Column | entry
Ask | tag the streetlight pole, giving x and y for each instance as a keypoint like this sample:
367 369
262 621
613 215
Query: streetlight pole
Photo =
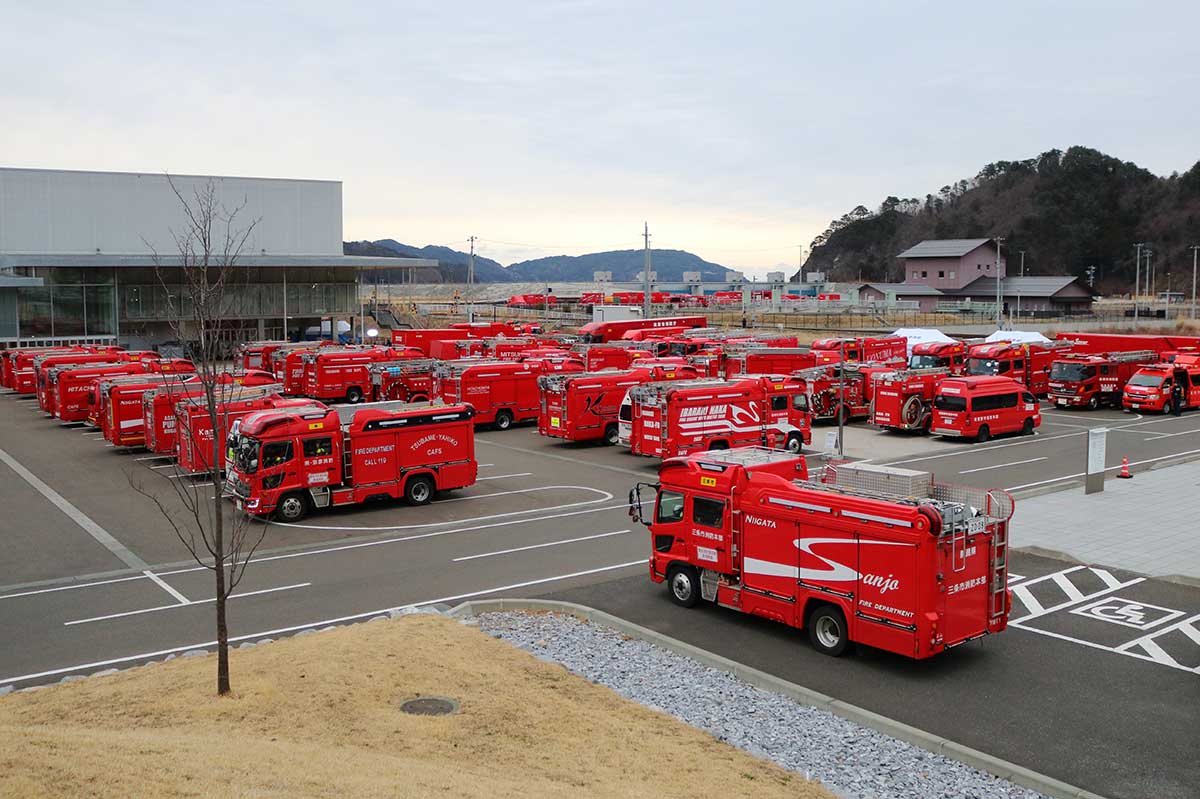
1195 248
1022 263
999 293
1149 277
471 282
1137 280
841 412
646 272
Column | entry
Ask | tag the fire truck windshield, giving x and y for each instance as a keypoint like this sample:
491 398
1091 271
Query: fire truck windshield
245 454
1071 372
947 402
987 366
1146 380
927 361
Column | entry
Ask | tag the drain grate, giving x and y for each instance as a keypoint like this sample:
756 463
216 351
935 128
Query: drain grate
429 706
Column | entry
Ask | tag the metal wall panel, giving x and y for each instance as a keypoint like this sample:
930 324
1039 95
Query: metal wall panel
63 212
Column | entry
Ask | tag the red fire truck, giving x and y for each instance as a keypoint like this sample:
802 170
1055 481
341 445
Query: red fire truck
194 439
880 556
493 329
333 373
981 406
42 365
846 389
159 425
274 355
613 355
501 392
584 406
1093 343
288 462
453 349
117 404
407 380
603 332
879 350
951 355
1150 388
1027 363
67 388
767 360
904 399
20 360
422 337
681 417
1078 380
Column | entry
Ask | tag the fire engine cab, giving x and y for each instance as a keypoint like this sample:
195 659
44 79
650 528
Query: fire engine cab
876 555
1078 380
951 355
289 461
677 418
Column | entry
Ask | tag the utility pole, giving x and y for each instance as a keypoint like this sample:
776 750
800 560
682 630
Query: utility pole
470 282
1137 280
1195 248
1149 278
646 273
841 405
999 293
1022 263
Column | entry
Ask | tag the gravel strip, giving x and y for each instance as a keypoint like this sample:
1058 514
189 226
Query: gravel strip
850 760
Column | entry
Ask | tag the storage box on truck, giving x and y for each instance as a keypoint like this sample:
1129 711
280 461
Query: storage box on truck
678 418
501 392
1078 380
880 556
981 406
195 434
407 380
584 406
879 350
767 360
288 462
422 337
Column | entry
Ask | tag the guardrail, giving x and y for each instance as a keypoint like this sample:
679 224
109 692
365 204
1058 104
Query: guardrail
55 341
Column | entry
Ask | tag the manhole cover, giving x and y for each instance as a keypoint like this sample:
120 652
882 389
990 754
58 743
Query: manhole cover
429 706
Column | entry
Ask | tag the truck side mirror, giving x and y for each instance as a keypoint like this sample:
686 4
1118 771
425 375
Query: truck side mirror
635 503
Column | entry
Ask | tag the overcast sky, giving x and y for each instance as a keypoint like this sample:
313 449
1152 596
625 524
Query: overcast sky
736 130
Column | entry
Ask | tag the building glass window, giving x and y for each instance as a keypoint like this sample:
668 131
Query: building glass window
68 310
33 310
941 273
98 310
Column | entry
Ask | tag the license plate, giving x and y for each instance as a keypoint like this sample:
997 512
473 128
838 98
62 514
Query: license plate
1061 401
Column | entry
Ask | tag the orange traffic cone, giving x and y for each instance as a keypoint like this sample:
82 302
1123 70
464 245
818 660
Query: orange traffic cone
1125 469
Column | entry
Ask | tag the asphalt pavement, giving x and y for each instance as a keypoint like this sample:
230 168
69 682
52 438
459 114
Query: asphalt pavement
1061 692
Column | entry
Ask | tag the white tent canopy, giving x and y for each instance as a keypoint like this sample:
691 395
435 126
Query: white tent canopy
921 335
1018 336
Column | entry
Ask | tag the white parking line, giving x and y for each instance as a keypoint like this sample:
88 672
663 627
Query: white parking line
1003 465
180 598
184 605
1107 469
74 586
538 546
502 476
312 624
153 457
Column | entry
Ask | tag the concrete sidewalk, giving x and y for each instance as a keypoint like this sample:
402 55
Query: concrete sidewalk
1149 525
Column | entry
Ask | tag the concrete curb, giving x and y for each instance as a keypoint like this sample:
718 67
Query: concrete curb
769 682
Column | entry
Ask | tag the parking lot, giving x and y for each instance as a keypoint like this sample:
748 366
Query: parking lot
95 577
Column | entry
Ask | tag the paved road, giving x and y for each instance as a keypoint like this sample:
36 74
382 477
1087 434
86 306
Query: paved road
547 517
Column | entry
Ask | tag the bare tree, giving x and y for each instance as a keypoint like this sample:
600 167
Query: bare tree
202 282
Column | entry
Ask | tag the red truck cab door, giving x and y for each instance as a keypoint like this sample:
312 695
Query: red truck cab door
319 461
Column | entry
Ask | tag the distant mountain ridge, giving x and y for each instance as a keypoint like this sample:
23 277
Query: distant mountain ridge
1067 211
624 264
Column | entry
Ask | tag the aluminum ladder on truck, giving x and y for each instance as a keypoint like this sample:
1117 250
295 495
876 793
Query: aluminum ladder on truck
998 587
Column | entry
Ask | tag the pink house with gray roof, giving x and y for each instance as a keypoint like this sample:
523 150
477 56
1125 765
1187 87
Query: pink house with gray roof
951 263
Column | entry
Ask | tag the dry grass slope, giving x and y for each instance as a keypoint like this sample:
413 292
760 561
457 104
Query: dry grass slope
317 716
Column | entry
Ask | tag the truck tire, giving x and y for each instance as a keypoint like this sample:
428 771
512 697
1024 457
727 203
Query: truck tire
612 435
504 419
418 490
794 443
1027 426
984 434
354 395
418 398
827 631
684 584
1094 402
292 508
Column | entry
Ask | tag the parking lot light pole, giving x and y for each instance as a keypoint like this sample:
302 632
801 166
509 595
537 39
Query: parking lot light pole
1195 248
1137 280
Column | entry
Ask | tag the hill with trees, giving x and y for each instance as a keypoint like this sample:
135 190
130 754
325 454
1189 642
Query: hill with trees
1066 210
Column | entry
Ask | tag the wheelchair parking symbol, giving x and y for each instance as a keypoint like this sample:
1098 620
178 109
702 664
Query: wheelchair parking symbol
1127 613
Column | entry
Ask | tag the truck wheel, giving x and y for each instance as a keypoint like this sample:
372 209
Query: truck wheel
827 631
985 433
684 584
1094 402
354 394
1027 426
794 443
418 490
612 435
504 420
292 508
418 398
